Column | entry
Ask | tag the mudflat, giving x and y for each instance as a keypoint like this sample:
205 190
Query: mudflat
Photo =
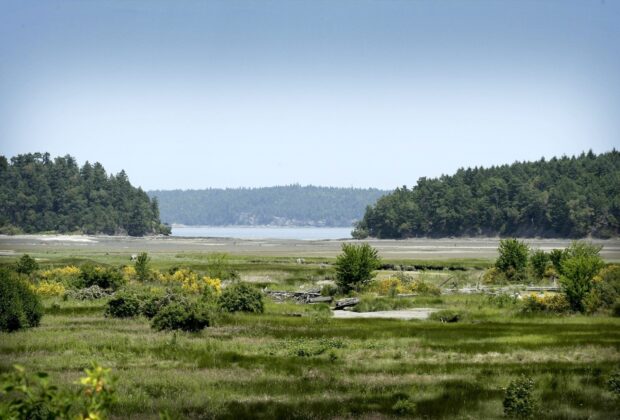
419 248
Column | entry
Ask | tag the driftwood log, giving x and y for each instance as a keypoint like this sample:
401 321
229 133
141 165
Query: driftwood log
311 296
345 303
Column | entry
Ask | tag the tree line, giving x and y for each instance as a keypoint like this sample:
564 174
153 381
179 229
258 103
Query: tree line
567 197
281 205
39 194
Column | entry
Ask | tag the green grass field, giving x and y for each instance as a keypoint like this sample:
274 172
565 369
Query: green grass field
282 365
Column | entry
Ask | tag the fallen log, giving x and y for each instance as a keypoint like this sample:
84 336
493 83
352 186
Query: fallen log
320 299
345 303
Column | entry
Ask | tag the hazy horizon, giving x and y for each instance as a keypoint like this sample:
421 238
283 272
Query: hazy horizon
366 94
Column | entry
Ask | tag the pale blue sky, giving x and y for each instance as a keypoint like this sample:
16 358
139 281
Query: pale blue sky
195 94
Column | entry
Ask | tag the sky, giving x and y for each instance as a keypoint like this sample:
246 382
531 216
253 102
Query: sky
198 94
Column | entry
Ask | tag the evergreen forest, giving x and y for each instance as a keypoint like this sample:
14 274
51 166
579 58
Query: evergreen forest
40 194
567 197
293 205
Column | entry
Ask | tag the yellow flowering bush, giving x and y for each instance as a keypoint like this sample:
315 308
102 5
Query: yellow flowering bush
551 302
192 282
129 272
394 285
48 288
61 274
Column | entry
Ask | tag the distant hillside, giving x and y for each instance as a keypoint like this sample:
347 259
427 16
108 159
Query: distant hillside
286 205
564 197
40 194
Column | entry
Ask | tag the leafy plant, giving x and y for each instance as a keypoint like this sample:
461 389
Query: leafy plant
183 316
20 307
538 263
26 265
89 293
518 399
123 305
106 278
355 266
241 297
142 266
32 396
513 258
579 268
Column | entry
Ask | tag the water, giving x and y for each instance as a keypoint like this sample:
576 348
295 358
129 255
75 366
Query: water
264 232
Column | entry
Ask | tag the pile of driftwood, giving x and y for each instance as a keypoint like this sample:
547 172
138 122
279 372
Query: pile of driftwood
310 296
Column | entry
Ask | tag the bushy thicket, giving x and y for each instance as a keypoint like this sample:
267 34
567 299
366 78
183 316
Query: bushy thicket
20 307
124 304
561 198
185 316
241 297
355 266
104 277
519 401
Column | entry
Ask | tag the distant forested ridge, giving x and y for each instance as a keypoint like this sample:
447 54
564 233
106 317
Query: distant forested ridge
564 197
38 194
291 205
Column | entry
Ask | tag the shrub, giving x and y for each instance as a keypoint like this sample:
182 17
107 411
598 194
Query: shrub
26 265
605 289
446 315
615 310
538 263
552 303
329 290
579 267
493 276
512 260
518 399
28 396
48 288
68 275
241 297
106 278
123 305
89 293
142 266
355 266
184 316
154 303
613 383
404 407
20 307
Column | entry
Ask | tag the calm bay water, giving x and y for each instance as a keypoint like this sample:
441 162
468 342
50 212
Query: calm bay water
264 232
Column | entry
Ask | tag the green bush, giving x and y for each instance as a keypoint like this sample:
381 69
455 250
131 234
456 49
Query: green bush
20 307
513 258
518 400
241 297
446 315
153 304
106 278
124 305
142 266
538 263
579 268
185 316
26 265
613 383
553 303
355 266
31 396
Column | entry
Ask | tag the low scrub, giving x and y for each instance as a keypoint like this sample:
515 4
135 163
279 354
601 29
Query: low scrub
241 297
20 307
518 399
446 315
104 277
89 293
124 305
185 316
550 303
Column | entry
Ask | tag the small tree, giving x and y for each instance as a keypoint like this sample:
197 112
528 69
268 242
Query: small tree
581 264
538 263
26 265
518 400
355 266
142 266
512 260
